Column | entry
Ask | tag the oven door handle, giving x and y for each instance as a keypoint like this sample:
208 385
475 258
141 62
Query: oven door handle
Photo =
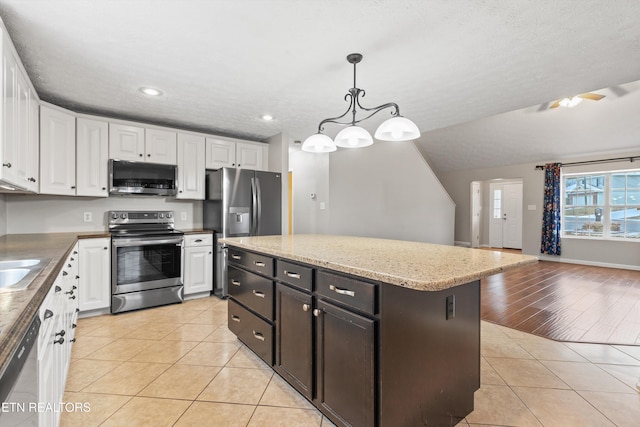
148 241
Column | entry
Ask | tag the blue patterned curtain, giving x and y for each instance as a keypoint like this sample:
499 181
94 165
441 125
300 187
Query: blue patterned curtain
551 214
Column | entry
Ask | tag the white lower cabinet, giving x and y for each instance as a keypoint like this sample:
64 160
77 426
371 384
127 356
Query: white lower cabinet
197 264
94 290
59 313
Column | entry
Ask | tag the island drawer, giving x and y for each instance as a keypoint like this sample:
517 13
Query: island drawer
294 274
255 262
251 330
256 292
351 292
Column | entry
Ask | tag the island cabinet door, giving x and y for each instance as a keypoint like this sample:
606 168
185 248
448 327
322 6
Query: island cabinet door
294 338
345 365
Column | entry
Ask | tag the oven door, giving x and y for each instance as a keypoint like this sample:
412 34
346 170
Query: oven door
143 263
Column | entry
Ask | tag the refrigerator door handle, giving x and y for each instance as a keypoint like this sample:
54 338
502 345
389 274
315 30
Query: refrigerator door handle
254 207
259 210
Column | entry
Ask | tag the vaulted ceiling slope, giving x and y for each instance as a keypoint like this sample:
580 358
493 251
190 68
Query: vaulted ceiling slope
221 64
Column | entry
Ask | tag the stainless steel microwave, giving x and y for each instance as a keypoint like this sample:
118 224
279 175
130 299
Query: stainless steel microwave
140 178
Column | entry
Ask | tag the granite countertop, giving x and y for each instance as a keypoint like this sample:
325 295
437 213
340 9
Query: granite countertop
420 266
17 308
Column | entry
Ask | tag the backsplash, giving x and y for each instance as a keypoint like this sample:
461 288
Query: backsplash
55 214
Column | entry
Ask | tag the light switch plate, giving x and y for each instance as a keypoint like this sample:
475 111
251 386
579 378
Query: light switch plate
531 207
88 217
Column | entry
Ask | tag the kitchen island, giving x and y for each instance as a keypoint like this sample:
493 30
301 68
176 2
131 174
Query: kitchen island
373 332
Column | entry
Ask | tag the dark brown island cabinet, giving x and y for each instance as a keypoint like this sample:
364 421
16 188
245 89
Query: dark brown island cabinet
364 352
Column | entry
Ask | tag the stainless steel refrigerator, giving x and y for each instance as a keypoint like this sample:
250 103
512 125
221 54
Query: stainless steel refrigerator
240 202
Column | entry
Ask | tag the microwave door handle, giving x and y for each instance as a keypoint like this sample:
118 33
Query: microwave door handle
146 242
259 208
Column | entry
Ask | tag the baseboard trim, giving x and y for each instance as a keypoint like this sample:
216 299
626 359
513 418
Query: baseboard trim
552 258
463 244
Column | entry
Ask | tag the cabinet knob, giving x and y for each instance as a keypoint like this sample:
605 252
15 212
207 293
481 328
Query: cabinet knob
233 164
104 188
58 288
105 248
61 333
73 187
31 179
72 340
210 252
141 155
48 314
305 307
317 312
59 341
64 273
180 191
7 165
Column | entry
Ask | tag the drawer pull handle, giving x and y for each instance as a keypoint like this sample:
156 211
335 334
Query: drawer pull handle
342 291
235 282
198 240
258 294
305 307
48 314
258 336
235 318
290 274
259 263
234 256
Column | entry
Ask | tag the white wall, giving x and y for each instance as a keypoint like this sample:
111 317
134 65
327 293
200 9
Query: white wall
594 252
52 214
3 215
279 162
388 190
310 175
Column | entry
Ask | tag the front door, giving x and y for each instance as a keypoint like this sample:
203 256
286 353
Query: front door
505 223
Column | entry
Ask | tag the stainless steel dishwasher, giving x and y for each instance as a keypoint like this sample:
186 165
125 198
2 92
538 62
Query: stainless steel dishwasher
19 382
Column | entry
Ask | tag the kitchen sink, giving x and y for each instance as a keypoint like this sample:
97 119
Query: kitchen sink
12 276
17 275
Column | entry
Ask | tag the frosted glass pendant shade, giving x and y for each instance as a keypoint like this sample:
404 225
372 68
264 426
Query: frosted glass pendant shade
397 129
353 137
319 143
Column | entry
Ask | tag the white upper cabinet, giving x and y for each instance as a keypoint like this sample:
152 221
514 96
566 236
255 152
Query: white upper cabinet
235 154
160 146
126 142
57 151
191 167
249 156
33 148
137 144
92 150
18 145
220 153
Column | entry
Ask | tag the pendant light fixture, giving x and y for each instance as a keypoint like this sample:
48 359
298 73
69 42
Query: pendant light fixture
397 128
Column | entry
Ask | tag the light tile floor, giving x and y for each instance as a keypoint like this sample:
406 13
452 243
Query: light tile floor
180 366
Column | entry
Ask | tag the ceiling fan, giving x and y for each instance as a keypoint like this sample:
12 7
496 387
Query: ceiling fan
572 101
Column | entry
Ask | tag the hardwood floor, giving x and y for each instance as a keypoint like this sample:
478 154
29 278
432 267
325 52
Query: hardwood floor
566 302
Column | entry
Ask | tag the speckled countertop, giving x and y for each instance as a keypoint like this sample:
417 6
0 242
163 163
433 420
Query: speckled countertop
17 308
421 266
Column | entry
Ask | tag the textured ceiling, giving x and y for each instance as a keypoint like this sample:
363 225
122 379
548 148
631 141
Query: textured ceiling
221 64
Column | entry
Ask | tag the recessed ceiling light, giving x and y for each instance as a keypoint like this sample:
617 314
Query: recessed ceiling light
267 117
150 91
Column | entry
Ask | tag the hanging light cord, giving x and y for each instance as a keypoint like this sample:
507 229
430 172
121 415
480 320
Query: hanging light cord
353 96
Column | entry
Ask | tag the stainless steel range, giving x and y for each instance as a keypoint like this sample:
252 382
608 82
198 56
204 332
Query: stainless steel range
145 260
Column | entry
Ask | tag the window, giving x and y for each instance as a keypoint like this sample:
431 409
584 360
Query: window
602 205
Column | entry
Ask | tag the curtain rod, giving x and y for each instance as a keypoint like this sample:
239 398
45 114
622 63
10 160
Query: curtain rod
589 162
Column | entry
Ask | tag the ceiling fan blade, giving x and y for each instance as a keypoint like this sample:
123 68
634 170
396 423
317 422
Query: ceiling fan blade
592 96
555 104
